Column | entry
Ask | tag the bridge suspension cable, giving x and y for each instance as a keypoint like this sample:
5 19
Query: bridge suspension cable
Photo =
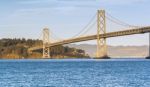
40 36
55 37
86 28
91 24
119 22
89 28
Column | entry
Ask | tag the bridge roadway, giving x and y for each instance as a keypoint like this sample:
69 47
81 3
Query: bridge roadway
140 30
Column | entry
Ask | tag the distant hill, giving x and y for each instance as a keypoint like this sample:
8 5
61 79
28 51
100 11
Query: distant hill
18 48
115 51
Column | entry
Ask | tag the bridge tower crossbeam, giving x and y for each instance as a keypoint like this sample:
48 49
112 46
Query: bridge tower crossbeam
101 29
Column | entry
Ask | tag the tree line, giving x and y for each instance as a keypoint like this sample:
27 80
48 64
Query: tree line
18 48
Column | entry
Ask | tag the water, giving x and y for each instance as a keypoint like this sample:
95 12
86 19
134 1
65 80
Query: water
75 73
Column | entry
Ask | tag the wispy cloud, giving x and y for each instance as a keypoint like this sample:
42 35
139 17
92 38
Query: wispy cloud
35 1
77 0
62 7
61 3
121 2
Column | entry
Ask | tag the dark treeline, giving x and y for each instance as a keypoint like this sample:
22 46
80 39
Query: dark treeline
18 48
67 51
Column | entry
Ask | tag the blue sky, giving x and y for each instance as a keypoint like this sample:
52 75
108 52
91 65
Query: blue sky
27 18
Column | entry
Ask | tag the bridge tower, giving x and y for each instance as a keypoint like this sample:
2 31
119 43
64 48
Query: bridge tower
46 49
101 29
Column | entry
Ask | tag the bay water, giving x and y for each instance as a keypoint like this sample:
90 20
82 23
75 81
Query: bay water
75 73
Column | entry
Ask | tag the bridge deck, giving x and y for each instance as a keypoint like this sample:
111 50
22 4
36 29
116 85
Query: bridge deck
92 37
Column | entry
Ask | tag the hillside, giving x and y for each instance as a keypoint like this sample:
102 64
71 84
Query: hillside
116 51
18 48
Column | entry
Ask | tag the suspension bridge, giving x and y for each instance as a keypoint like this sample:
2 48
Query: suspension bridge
101 35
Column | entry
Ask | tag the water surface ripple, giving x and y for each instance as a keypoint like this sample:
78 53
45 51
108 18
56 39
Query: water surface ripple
75 73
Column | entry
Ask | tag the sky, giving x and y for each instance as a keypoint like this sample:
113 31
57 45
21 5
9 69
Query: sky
65 18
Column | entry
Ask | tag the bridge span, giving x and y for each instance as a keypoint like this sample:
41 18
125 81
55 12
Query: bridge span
100 36
140 30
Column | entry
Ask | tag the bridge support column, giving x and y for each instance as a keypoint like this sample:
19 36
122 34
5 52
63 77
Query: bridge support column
46 49
101 29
